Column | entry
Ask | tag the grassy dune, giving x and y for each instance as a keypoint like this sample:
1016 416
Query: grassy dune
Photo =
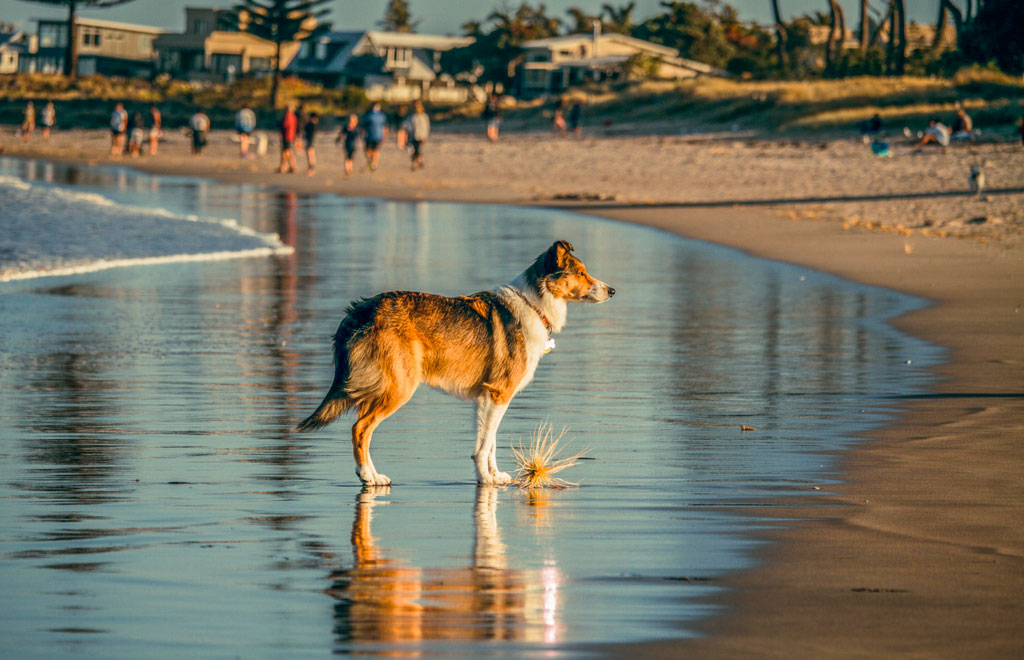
994 100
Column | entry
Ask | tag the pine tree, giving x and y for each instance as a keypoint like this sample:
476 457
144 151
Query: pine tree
281 22
397 17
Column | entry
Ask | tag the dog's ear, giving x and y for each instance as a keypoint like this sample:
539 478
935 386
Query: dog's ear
557 256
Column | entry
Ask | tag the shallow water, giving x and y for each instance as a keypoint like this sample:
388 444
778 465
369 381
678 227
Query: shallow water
155 502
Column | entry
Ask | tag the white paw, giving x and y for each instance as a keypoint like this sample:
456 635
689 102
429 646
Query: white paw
497 479
373 479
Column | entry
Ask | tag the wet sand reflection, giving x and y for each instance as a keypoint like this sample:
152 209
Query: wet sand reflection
384 600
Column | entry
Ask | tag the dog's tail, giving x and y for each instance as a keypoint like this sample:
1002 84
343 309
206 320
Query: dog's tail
337 400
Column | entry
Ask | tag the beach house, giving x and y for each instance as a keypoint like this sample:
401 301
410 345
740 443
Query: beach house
107 48
552 65
390 66
14 45
207 50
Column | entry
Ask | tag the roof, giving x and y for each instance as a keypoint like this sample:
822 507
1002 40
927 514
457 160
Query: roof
111 25
421 41
565 39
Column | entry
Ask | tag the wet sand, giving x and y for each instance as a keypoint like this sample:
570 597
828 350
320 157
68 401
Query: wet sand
922 554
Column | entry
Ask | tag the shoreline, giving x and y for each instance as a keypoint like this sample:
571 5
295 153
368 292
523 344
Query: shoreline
921 553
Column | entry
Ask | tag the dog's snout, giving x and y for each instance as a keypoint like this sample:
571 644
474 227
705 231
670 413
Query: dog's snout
611 291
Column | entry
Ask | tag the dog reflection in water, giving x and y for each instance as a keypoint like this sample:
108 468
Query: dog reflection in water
383 600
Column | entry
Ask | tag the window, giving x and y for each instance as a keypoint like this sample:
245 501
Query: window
397 56
321 50
259 64
200 26
90 36
303 50
224 62
52 35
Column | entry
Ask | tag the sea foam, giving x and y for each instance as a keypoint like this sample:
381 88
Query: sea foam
50 230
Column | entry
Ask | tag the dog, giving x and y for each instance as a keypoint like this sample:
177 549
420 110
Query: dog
484 347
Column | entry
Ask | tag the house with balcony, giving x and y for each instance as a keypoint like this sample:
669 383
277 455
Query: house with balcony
208 51
550 66
107 48
391 66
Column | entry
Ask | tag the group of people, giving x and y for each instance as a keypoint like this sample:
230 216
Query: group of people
940 134
298 131
129 132
47 118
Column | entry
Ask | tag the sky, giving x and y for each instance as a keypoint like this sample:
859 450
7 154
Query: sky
436 16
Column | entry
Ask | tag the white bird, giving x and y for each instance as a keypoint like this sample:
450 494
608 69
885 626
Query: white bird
977 179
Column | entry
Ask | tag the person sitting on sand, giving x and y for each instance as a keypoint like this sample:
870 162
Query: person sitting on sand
963 127
937 133
349 134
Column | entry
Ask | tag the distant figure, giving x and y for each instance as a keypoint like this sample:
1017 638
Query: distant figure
155 129
349 134
418 128
977 179
29 123
308 136
49 119
300 118
245 124
963 127
401 134
200 125
289 129
492 116
558 123
375 128
136 135
118 126
871 126
1022 129
575 115
880 148
937 133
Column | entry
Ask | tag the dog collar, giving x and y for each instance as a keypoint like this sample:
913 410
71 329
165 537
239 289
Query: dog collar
543 319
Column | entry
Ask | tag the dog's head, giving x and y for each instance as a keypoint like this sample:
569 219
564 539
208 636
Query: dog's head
564 276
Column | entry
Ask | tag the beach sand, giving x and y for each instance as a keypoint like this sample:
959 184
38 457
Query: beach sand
920 552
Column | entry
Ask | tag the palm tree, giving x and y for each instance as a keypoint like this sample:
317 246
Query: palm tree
279 21
71 47
780 35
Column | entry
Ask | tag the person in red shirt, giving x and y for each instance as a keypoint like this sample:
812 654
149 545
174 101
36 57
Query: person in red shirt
289 129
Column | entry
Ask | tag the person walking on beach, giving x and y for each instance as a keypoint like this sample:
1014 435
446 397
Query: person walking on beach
28 124
155 132
558 123
492 116
118 126
401 134
136 135
375 129
49 119
245 124
349 134
200 125
575 114
289 128
418 128
308 136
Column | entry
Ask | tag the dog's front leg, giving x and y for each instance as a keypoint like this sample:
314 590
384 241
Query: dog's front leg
488 417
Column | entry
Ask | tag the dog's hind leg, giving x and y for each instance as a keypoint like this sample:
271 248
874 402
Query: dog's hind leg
370 416
488 417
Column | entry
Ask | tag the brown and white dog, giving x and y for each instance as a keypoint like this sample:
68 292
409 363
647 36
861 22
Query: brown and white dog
484 347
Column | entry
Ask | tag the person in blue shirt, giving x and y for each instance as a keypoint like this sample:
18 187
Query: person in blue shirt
375 130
